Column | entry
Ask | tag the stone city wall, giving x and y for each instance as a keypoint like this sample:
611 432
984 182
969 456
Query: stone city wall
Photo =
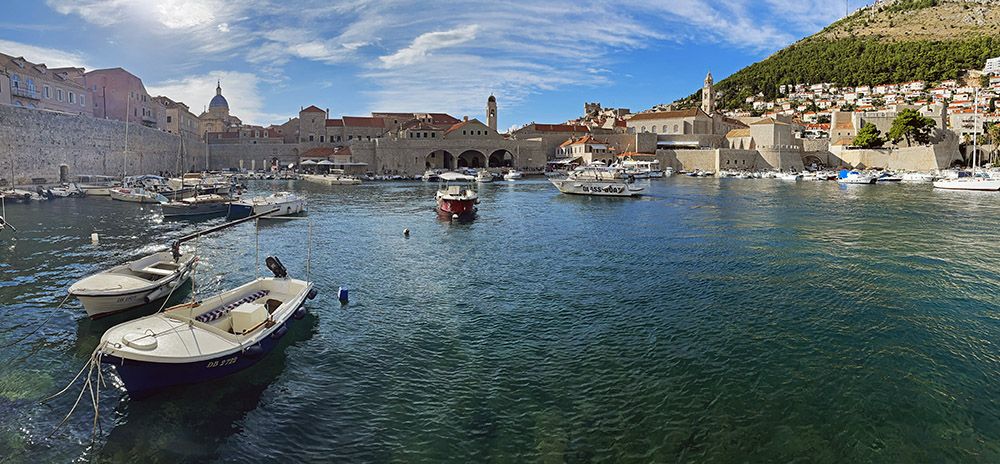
45 144
251 156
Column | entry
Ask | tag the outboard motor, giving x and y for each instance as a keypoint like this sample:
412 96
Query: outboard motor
278 269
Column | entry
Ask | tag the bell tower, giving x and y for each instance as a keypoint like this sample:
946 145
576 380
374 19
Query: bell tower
491 112
708 95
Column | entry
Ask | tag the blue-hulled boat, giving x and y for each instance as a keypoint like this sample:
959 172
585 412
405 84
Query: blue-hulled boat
208 339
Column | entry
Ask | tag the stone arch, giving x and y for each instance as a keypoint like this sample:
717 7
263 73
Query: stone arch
500 159
439 159
63 173
471 159
810 160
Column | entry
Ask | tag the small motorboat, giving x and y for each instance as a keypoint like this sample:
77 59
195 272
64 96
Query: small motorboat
334 177
199 205
918 177
96 185
132 284
790 176
67 190
453 200
208 339
886 177
285 203
513 175
23 196
484 176
136 195
430 176
855 177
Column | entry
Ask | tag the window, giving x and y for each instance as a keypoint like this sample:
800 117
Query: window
433 134
643 129
45 92
31 85
59 94
321 138
169 119
463 132
411 135
350 137
675 128
653 129
310 137
81 100
338 138
72 97
15 81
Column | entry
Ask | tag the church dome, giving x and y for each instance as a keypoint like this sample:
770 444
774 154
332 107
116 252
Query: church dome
218 101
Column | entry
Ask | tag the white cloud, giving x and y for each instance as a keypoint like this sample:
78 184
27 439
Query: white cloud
223 27
425 43
241 89
49 56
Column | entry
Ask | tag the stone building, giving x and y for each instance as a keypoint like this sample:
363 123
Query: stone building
178 118
585 150
217 117
30 85
120 95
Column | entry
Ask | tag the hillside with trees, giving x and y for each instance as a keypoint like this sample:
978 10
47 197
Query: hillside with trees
888 42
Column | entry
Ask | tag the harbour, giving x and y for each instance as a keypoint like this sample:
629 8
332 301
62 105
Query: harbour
710 319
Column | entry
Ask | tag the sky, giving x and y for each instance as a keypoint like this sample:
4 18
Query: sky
541 59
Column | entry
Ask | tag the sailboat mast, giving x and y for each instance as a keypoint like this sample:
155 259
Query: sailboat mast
975 130
125 153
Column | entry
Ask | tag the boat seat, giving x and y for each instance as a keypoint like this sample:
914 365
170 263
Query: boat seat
156 271
223 310
272 305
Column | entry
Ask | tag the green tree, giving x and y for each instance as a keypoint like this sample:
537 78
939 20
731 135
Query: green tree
848 107
868 137
878 102
984 80
912 126
823 119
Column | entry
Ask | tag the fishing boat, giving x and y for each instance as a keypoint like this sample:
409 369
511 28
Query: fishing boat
200 205
334 177
284 204
96 185
23 196
855 177
484 176
597 180
208 339
132 284
513 175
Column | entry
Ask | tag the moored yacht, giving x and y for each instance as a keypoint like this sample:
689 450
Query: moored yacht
198 205
597 181
285 204
855 177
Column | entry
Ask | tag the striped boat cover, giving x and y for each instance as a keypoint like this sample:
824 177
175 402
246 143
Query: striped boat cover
222 311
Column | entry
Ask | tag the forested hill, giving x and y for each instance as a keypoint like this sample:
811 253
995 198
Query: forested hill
888 42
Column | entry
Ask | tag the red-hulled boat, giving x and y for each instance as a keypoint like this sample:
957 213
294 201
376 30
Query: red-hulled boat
454 200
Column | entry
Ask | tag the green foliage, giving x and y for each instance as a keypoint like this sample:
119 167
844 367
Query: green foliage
993 132
868 137
853 62
824 119
912 126
984 80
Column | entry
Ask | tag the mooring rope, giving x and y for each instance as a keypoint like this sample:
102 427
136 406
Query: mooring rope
46 321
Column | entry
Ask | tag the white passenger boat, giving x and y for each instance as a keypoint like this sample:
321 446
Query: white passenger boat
855 177
918 177
642 169
484 176
285 203
212 338
334 177
512 175
597 181
132 284
199 205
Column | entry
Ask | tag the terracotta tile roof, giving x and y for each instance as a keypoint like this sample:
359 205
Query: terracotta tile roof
460 125
312 109
443 119
561 128
738 133
360 121
334 123
580 141
666 114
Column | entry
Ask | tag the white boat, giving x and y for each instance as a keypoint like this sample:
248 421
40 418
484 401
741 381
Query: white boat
669 171
430 176
285 203
512 175
887 177
199 205
790 176
642 169
855 177
21 195
136 195
334 177
977 181
132 284
919 177
215 337
96 185
484 176
67 190
597 181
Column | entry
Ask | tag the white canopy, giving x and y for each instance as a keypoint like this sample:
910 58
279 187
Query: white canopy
453 176
325 163
307 163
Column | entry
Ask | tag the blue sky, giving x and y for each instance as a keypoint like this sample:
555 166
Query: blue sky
542 59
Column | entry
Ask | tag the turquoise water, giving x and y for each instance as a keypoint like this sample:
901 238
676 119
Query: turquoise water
716 320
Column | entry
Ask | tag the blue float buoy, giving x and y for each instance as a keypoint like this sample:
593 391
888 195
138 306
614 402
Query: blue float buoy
342 295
